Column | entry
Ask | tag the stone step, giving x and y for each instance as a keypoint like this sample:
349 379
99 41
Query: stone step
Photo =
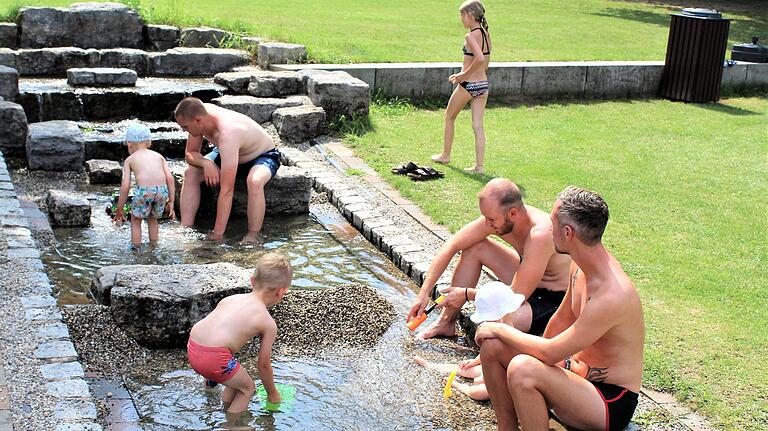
280 53
288 192
259 109
152 99
260 83
105 141
54 62
101 77
300 123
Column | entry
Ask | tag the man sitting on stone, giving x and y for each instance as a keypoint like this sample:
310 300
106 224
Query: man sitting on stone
242 149
588 365
531 266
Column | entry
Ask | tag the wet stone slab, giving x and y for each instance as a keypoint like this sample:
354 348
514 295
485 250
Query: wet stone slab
72 388
56 350
35 314
62 371
79 427
39 301
74 409
53 331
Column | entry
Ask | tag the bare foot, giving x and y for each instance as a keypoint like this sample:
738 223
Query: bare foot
441 158
439 367
251 238
474 170
438 328
476 392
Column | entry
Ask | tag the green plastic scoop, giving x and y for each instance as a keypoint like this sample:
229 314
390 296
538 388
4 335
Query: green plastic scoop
287 393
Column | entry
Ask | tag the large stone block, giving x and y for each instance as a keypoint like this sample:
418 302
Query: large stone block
55 146
259 109
8 58
55 61
161 37
338 93
128 58
65 209
160 311
274 84
237 82
614 81
300 123
554 80
102 76
757 74
43 27
13 138
8 35
505 82
280 53
197 61
9 83
288 192
416 83
103 171
84 25
203 37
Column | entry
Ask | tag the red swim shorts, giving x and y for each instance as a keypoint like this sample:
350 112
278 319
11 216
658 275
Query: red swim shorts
213 363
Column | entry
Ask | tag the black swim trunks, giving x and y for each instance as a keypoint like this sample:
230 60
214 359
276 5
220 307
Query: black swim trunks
620 404
269 159
543 304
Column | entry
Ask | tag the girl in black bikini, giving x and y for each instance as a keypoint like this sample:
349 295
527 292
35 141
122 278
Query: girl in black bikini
472 83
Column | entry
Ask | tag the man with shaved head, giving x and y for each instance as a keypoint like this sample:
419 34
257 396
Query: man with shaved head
531 266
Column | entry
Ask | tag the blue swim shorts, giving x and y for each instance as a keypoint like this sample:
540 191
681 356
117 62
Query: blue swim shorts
269 159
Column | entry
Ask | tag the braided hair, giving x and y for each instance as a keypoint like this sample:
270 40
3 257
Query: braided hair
477 10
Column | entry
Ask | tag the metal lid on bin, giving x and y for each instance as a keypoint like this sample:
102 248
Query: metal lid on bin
702 13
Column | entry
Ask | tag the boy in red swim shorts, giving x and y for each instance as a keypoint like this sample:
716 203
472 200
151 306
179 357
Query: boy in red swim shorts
236 319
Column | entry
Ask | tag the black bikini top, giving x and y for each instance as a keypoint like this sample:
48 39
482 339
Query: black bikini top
482 46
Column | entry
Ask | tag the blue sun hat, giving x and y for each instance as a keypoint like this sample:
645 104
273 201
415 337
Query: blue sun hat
138 133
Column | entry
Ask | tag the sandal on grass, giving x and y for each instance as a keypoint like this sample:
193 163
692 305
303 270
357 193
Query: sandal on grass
405 169
425 173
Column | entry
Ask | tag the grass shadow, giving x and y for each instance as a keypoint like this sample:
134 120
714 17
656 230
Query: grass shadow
647 17
725 109
741 30
479 178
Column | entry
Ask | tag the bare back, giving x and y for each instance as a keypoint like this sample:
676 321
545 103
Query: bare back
148 167
234 321
251 138
555 276
480 74
617 356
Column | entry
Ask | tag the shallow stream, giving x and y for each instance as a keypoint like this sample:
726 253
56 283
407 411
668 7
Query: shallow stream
373 388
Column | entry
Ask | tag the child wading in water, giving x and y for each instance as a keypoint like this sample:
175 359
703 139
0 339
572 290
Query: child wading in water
471 83
236 319
154 185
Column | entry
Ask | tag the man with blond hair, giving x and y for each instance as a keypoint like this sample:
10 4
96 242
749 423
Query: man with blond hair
530 266
242 149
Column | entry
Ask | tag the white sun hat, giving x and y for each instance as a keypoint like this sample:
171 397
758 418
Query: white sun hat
495 300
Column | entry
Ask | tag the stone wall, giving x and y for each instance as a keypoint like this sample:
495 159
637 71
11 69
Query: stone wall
515 80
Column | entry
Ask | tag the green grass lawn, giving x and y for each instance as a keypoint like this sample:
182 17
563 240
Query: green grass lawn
687 186
429 30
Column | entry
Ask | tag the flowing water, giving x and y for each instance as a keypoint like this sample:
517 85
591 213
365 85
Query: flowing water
373 388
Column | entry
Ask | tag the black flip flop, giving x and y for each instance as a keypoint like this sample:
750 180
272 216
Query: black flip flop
425 173
405 169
